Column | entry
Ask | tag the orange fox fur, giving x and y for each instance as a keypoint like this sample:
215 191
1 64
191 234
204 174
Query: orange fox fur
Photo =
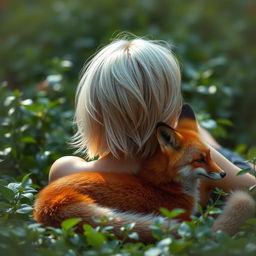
169 179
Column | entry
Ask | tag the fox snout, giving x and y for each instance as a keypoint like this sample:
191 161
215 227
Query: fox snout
211 175
216 175
222 174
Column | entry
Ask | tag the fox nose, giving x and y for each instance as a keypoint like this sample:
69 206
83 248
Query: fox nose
222 174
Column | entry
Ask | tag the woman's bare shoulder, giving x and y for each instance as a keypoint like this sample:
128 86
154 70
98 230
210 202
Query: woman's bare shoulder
67 165
72 164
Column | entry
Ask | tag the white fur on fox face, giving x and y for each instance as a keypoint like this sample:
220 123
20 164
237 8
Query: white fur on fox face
202 172
188 179
188 172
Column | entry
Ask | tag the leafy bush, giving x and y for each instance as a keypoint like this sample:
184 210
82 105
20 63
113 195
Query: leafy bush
32 135
43 47
215 42
32 140
21 236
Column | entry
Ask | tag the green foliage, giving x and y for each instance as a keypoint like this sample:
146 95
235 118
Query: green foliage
214 41
32 137
252 170
43 47
19 235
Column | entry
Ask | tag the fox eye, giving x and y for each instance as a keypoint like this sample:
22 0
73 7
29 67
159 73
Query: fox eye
200 160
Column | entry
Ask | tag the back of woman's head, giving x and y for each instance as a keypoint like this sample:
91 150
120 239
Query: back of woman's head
125 89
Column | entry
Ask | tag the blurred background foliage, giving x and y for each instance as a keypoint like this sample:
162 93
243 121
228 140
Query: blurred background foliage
214 41
44 44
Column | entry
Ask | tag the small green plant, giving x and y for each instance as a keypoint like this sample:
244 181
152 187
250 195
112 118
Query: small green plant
16 199
31 135
252 170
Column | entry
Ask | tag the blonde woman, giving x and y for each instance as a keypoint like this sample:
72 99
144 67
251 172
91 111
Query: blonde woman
125 89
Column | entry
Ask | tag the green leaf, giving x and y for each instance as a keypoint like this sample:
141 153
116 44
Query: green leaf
30 196
220 192
75 239
28 139
30 190
24 209
134 235
128 227
7 193
199 209
27 102
172 214
209 124
154 251
252 188
185 229
165 242
6 151
95 239
69 223
251 154
179 246
87 228
9 100
244 171
213 210
17 93
15 186
25 179
225 122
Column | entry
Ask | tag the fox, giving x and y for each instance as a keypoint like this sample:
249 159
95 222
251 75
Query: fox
168 179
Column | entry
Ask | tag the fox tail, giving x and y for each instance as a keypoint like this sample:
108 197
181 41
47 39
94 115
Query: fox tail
239 208
115 218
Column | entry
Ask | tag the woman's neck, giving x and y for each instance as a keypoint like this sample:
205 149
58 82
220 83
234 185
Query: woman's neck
109 163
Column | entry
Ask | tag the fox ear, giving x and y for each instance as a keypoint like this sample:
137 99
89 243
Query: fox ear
167 136
187 118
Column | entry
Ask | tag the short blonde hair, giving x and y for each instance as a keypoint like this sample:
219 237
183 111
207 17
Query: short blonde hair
125 89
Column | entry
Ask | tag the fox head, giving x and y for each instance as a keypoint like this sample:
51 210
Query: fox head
186 155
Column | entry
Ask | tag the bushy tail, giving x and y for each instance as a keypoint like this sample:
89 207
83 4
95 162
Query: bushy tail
117 219
52 211
68 203
239 208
